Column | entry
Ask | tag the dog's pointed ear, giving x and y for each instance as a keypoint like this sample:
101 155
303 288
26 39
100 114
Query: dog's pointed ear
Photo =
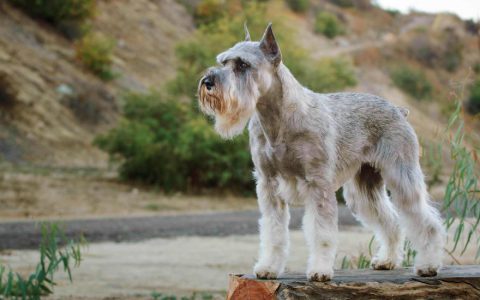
269 46
247 33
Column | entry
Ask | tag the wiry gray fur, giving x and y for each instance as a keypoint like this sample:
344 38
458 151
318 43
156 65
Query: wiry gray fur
306 145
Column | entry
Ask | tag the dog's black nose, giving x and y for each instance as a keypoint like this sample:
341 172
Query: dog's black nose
208 82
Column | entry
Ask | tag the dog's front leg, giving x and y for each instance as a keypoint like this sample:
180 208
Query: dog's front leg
320 229
274 240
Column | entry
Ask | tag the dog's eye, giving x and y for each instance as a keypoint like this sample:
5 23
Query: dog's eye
242 66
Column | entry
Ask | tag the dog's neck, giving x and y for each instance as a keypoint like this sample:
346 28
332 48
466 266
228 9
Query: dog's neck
285 97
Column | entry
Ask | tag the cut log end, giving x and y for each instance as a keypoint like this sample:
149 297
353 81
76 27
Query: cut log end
453 282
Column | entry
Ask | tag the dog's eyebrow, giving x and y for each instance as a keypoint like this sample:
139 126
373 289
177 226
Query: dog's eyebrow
226 57
235 59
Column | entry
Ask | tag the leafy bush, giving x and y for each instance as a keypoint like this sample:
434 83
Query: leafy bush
41 281
392 12
343 3
328 24
55 11
452 55
412 81
298 5
95 51
208 11
325 75
473 102
461 204
476 68
359 4
166 143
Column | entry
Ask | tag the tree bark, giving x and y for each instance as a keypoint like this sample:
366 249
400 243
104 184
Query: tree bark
453 282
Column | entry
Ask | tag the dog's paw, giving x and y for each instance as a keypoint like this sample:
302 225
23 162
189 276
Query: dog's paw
320 276
378 264
263 272
266 275
427 271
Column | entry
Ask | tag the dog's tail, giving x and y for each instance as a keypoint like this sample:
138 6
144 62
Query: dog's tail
404 111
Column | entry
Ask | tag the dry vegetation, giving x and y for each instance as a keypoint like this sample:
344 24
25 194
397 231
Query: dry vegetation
46 193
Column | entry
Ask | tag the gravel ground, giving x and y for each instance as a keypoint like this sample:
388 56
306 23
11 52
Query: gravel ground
179 265
26 234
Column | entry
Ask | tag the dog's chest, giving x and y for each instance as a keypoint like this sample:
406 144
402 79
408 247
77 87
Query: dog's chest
283 159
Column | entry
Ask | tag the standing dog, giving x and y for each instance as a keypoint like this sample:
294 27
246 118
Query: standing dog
306 145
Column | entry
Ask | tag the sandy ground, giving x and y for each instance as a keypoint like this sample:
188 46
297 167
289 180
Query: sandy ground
179 265
176 266
46 193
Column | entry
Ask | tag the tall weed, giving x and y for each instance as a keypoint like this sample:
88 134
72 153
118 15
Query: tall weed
52 256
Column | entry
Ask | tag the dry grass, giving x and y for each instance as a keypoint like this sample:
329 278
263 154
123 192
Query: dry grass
45 194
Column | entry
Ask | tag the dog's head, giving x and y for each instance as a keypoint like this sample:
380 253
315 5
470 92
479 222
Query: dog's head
245 72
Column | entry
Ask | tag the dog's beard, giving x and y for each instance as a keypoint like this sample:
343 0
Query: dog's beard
231 109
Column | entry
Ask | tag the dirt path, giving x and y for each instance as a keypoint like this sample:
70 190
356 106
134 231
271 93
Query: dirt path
26 234
177 266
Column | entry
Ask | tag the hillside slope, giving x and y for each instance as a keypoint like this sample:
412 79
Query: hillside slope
51 108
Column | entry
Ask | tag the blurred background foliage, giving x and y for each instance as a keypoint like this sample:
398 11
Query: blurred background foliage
187 154
95 51
412 81
328 24
57 11
167 130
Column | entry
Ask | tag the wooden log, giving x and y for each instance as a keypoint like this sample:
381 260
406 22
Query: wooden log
453 282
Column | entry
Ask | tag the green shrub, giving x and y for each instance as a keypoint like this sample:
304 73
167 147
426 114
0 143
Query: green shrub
392 12
359 4
328 24
325 75
55 11
412 81
166 143
298 5
452 55
41 282
461 199
343 3
476 68
95 51
209 11
473 102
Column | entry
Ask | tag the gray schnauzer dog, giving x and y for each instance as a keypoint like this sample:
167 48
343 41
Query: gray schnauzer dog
306 145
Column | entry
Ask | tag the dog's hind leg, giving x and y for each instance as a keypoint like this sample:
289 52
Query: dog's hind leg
274 239
367 198
420 219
